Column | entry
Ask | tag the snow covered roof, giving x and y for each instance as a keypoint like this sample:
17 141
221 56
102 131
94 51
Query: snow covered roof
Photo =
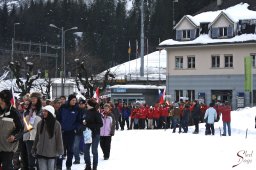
205 39
235 13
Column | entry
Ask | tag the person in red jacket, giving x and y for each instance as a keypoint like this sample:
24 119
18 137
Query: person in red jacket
226 118
142 117
164 115
156 116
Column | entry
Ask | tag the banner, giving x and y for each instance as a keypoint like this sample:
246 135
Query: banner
248 73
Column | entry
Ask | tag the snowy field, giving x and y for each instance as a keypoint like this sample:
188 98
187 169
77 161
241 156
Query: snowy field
163 150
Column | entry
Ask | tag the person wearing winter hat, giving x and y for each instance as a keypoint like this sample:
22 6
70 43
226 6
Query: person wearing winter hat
48 142
70 120
10 131
93 121
32 118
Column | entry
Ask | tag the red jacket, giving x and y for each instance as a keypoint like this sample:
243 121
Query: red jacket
134 113
226 110
164 112
150 113
156 113
142 113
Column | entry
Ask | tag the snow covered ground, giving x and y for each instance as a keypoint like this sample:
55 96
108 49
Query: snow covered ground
154 67
163 150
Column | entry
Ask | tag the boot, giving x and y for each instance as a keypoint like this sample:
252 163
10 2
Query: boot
94 168
88 167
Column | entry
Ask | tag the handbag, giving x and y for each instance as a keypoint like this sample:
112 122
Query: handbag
87 133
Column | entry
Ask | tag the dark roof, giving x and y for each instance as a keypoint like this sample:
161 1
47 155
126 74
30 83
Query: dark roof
227 3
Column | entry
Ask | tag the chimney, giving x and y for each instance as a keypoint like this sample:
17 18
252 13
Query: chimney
219 2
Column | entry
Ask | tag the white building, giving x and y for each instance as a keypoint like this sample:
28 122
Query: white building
207 58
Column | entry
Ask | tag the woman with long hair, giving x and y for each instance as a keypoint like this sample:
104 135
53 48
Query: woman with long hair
32 118
92 120
48 142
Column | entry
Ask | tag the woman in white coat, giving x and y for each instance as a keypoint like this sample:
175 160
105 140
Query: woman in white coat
209 117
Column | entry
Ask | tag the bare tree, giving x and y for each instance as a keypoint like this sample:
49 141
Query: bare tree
24 86
89 82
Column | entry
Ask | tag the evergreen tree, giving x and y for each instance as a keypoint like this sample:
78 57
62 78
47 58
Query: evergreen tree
5 33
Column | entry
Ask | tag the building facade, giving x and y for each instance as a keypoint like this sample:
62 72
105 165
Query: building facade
206 61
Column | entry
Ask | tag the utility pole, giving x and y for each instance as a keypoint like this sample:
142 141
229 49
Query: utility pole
63 60
142 41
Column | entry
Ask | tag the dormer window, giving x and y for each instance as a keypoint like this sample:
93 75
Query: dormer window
223 32
186 34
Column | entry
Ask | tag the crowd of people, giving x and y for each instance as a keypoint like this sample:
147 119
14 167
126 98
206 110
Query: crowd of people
39 134
178 114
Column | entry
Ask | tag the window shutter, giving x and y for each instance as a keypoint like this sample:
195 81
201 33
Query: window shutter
215 32
192 34
230 32
178 34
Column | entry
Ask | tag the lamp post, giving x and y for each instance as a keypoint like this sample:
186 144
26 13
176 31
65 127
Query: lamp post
63 60
17 23
173 18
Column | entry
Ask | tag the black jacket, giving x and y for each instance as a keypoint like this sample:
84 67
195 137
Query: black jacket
93 121
196 112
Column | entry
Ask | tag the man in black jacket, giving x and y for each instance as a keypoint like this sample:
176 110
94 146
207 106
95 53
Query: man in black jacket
196 115
10 131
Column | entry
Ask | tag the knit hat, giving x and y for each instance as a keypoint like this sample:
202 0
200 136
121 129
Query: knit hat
70 97
92 103
36 94
6 96
50 109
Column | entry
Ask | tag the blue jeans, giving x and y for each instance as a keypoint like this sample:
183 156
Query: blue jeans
94 144
175 121
76 149
225 124
46 164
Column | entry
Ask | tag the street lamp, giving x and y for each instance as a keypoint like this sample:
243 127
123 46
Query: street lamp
63 59
173 18
17 23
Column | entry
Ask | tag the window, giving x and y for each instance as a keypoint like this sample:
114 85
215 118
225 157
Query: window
191 95
191 62
186 34
178 62
223 32
253 59
178 94
228 61
215 61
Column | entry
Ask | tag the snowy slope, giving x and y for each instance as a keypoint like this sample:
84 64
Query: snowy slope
163 150
154 66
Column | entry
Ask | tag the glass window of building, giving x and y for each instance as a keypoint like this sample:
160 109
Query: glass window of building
179 62
215 61
191 62
228 61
